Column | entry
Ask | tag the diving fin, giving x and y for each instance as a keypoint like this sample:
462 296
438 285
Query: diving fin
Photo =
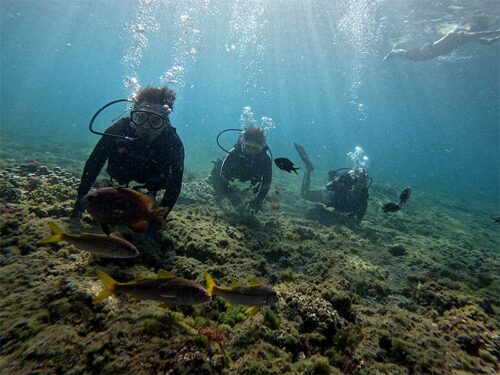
305 158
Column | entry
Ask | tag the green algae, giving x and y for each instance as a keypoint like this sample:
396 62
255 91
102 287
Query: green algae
233 315
271 319
345 303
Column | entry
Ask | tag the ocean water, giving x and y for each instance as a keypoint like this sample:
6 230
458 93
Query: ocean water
413 292
314 67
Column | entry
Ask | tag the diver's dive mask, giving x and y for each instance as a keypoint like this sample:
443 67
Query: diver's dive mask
140 117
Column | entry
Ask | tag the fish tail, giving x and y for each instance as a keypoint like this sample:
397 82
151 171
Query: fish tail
210 283
109 286
57 233
252 310
296 169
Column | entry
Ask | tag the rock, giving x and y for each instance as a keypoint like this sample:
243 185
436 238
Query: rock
469 344
397 250
43 170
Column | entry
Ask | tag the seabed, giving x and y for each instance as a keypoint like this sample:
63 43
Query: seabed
416 292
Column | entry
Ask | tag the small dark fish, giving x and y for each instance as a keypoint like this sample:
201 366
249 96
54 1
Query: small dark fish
405 195
122 206
99 244
285 165
167 288
391 207
496 219
255 295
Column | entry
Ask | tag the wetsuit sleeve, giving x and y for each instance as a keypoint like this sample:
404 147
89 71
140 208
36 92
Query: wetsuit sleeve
228 166
93 167
266 180
174 174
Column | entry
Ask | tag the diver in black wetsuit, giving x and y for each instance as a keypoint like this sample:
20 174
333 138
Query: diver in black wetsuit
143 147
246 161
346 190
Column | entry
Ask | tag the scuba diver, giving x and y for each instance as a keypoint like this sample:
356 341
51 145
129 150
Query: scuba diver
143 147
346 190
448 43
246 161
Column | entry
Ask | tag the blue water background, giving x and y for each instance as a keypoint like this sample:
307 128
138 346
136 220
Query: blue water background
314 67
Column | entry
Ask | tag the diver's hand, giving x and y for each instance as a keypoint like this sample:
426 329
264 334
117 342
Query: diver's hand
77 211
163 211
388 56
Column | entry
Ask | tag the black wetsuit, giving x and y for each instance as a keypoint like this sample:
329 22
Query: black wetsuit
346 192
247 167
158 165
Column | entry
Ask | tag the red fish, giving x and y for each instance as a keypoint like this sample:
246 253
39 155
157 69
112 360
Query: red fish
122 206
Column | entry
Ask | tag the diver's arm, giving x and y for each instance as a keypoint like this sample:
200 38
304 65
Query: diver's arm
174 179
92 168
229 165
482 34
266 180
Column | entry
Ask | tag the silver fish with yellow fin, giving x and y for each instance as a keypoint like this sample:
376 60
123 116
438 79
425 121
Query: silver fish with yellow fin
255 295
97 244
166 288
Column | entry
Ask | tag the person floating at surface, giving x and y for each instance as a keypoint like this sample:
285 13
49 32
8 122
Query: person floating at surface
246 161
448 43
143 147
346 190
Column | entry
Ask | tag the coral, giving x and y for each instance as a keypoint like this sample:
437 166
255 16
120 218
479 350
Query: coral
314 312
8 191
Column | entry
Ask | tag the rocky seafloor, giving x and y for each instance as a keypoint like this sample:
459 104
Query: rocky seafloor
416 292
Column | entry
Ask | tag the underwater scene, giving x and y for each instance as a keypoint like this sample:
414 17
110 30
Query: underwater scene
249 187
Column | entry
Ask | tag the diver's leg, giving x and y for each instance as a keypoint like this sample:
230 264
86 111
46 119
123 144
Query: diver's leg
484 34
309 195
305 158
487 42
313 196
306 182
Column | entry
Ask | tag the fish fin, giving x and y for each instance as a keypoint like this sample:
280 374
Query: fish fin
109 286
148 201
164 274
252 310
295 170
52 239
102 296
210 283
55 228
255 282
234 284
105 228
57 234
140 277
139 226
156 217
